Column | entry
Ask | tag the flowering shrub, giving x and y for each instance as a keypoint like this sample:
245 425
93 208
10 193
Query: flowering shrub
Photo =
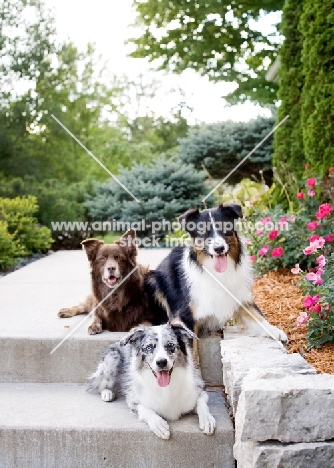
304 242
279 237
318 285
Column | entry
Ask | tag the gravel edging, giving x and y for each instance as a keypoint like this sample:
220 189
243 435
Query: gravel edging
24 261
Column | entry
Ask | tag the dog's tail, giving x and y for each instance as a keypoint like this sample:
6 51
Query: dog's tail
107 372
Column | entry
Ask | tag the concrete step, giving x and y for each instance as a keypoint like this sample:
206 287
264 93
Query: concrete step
30 327
60 425
29 360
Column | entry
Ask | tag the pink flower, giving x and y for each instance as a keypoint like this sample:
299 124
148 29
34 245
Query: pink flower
302 319
321 261
316 308
311 193
260 231
329 238
292 219
314 238
266 220
314 277
252 258
324 210
311 182
320 271
248 241
277 252
309 250
318 243
296 270
273 234
309 301
264 250
282 221
312 225
300 195
311 276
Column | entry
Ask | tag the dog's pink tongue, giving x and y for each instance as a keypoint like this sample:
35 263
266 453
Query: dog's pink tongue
220 263
112 281
163 378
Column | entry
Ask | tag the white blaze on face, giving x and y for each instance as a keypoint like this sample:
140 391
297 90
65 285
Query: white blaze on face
162 376
217 240
111 272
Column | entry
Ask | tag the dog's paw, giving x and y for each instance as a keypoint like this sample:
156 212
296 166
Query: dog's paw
65 313
207 423
107 395
94 329
159 426
276 333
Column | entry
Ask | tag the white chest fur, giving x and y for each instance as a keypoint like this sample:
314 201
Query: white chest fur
179 397
211 300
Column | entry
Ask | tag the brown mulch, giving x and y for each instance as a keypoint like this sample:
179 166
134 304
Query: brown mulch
281 301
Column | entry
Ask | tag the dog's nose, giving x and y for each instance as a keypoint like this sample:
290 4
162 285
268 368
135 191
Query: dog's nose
112 268
161 363
219 250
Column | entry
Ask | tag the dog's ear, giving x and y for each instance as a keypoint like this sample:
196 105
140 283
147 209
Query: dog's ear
180 330
233 209
188 217
128 242
134 335
91 246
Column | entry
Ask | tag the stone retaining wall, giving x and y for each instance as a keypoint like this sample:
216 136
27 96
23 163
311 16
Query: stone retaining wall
284 411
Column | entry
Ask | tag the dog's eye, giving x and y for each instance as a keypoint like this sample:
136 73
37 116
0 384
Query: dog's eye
101 259
116 257
170 347
149 348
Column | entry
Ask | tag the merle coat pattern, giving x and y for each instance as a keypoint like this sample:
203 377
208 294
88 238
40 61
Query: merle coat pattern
153 368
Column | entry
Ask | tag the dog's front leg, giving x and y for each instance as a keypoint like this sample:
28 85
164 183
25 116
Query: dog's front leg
96 326
68 312
157 424
83 308
253 321
207 422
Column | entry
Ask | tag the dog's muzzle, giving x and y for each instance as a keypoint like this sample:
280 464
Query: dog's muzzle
162 376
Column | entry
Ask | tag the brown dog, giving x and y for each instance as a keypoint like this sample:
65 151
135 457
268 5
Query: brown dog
132 302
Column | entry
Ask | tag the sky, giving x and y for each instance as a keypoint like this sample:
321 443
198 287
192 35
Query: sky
107 24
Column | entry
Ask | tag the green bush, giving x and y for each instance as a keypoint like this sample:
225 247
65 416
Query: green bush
306 89
316 26
19 216
246 193
9 249
165 188
57 201
288 138
219 147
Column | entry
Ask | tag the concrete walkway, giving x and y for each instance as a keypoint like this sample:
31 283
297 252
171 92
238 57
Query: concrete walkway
47 420
32 296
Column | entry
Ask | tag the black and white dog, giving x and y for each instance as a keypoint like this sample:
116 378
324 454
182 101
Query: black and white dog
154 369
209 282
